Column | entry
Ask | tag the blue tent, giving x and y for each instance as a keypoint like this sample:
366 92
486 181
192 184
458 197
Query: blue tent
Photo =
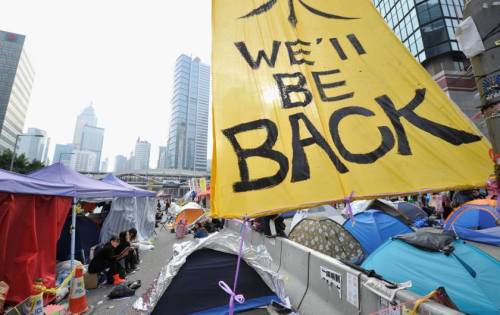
469 275
475 221
195 289
372 228
113 180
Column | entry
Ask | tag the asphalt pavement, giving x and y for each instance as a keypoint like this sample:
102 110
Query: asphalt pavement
152 262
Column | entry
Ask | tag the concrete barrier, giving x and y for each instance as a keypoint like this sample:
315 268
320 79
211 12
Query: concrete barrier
328 287
319 284
295 270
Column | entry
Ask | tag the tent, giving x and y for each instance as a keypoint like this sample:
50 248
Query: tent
372 228
476 221
86 236
328 237
190 211
32 214
325 211
85 187
136 211
113 180
410 210
189 284
379 204
469 275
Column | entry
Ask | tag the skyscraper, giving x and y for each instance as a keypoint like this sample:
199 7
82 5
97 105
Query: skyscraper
16 79
34 148
141 155
427 28
83 161
187 139
62 153
88 137
86 118
120 163
104 165
162 158
92 139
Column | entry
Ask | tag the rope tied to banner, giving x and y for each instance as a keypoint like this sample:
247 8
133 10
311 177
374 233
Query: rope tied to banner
224 286
348 208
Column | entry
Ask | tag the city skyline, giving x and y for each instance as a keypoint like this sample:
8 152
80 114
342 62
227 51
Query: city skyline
125 68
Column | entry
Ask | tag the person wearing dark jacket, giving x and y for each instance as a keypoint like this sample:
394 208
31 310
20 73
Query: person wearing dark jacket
105 261
124 252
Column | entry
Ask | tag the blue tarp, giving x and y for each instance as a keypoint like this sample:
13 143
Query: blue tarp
398 261
372 228
84 186
113 180
21 184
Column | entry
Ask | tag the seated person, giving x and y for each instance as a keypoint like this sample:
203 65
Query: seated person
105 260
134 243
124 253
200 231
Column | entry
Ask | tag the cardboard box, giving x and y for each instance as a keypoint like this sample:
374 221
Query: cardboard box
91 280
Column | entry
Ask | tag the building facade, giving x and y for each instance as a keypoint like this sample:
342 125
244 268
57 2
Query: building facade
16 80
188 134
162 158
141 155
88 137
83 161
34 148
104 165
62 153
92 140
86 118
120 164
427 29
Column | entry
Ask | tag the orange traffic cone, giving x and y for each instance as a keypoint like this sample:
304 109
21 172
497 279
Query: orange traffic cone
77 298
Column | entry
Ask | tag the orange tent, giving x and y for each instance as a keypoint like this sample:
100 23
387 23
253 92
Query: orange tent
190 212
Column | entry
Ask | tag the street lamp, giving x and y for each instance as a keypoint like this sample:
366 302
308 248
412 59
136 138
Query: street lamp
15 148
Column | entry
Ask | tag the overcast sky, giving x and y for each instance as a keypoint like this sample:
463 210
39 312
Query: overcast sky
118 54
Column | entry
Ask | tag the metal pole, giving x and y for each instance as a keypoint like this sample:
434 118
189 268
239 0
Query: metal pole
72 231
13 154
486 67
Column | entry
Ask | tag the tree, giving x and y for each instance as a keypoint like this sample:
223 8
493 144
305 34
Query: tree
21 163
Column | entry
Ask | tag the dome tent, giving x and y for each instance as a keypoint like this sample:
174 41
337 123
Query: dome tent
476 221
328 237
469 275
189 283
372 228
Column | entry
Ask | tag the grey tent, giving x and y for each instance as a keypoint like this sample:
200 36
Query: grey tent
328 237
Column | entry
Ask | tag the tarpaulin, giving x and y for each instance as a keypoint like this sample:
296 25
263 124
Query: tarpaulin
313 100
29 229
127 213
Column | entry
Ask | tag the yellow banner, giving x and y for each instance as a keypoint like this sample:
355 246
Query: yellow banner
313 100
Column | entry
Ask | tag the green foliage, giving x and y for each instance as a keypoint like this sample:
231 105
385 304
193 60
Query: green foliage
21 163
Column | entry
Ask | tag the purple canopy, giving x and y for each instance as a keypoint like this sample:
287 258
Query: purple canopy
113 180
85 187
20 184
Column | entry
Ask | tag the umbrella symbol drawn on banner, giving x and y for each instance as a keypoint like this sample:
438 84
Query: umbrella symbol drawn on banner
292 18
